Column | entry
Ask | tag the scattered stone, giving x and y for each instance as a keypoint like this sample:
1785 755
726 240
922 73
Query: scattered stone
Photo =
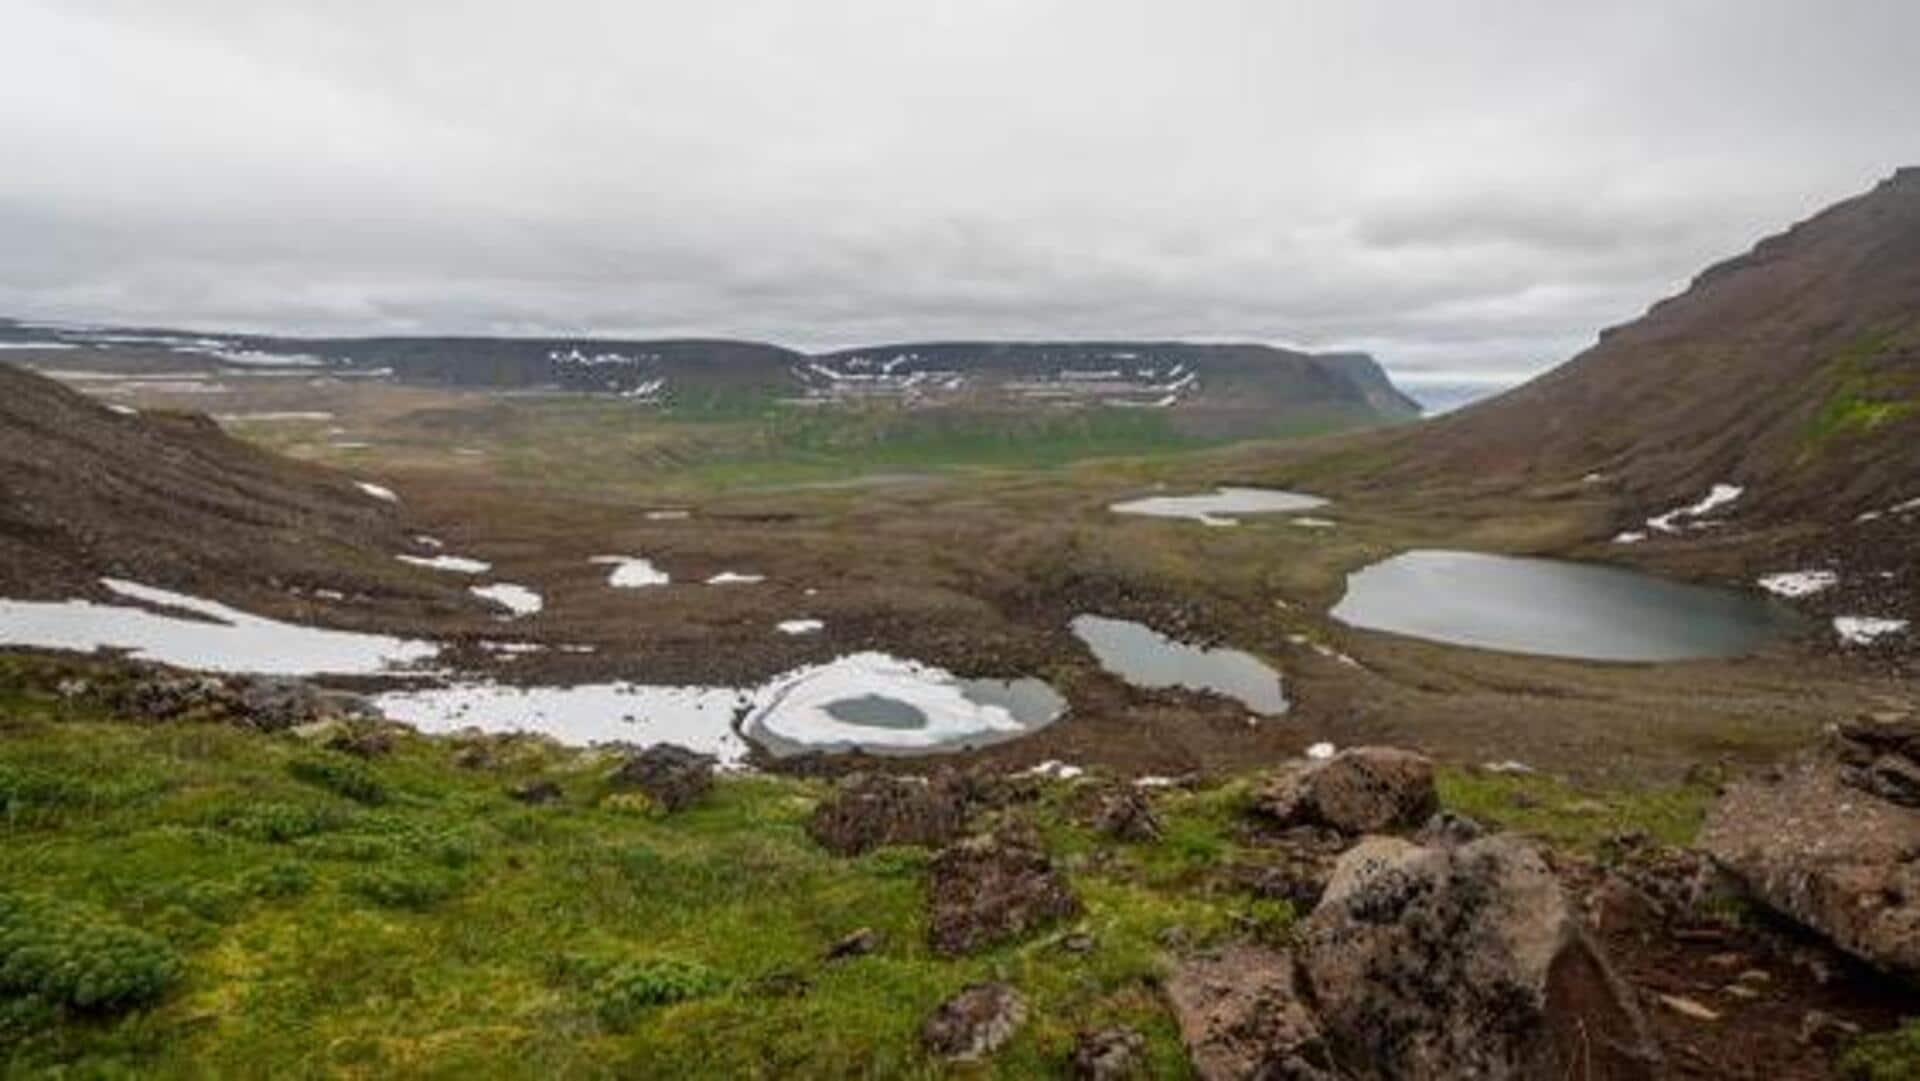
1359 790
274 704
974 1023
1894 778
1688 1008
536 792
1242 1015
1111 1054
991 888
362 739
672 775
1126 814
854 944
1464 962
869 810
1831 855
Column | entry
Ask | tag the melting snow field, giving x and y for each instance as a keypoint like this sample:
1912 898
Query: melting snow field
456 564
377 491
519 600
632 572
1212 508
804 709
233 641
1720 496
1799 583
729 578
1866 630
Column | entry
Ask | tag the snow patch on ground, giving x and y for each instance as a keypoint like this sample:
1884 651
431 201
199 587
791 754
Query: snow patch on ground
632 572
698 718
1799 583
1721 495
377 491
800 626
1630 537
1866 630
668 515
1056 769
1314 523
228 640
519 600
456 564
794 707
1320 752
729 578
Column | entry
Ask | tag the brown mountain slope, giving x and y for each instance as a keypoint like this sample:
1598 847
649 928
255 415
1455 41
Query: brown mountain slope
1792 370
165 499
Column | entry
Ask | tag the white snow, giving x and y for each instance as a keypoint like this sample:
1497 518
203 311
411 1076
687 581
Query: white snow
800 626
123 410
1314 523
730 578
38 345
1630 537
1320 751
1056 769
1153 782
425 541
1799 583
1720 496
234 641
1508 766
264 417
519 600
377 491
793 707
632 572
698 718
1866 630
1212 507
456 564
668 515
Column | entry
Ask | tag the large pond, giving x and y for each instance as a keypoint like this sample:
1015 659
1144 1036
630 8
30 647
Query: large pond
1146 658
1556 608
1218 506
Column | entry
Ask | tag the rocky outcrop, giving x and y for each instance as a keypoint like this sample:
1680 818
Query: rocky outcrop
1126 814
1831 841
1110 1054
1242 1015
1464 961
1360 790
869 810
672 776
992 888
974 1023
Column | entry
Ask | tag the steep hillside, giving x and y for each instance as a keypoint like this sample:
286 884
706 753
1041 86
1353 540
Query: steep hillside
1792 372
87 490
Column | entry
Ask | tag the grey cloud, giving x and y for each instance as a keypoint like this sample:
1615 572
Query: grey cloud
1475 183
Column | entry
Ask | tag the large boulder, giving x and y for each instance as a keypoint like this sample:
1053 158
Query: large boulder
1464 961
1241 1016
992 888
1360 790
672 776
869 810
974 1023
1822 842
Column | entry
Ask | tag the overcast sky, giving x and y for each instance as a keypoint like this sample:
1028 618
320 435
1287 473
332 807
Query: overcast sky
1460 186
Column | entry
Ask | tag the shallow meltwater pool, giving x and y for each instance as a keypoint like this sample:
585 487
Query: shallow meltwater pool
1146 658
1215 507
1557 608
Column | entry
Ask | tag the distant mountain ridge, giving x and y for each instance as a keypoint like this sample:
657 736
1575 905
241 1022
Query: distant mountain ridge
1236 385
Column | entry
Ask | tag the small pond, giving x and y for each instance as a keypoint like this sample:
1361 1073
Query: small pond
1215 507
1556 608
885 705
1146 658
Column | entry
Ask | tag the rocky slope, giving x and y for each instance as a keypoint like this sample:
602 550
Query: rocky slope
89 490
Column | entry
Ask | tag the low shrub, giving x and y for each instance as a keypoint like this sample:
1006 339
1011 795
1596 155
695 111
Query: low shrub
341 776
278 880
621 989
1884 1056
62 957
279 823
413 889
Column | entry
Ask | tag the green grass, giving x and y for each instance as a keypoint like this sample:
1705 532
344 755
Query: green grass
1861 397
1548 808
1887 1056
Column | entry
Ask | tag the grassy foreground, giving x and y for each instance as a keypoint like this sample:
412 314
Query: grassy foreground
198 900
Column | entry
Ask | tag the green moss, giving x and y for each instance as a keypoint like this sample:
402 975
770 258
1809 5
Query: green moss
339 775
1551 809
1884 1056
1860 397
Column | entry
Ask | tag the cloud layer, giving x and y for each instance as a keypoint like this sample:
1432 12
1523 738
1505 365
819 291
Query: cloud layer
1453 185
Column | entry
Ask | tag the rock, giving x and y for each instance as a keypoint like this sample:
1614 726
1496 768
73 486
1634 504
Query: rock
155 695
1829 855
854 944
992 888
1111 1054
671 775
869 810
361 739
1449 828
1126 814
1359 790
974 1023
1464 961
1078 942
1894 778
1241 1015
1295 871
274 704
536 792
